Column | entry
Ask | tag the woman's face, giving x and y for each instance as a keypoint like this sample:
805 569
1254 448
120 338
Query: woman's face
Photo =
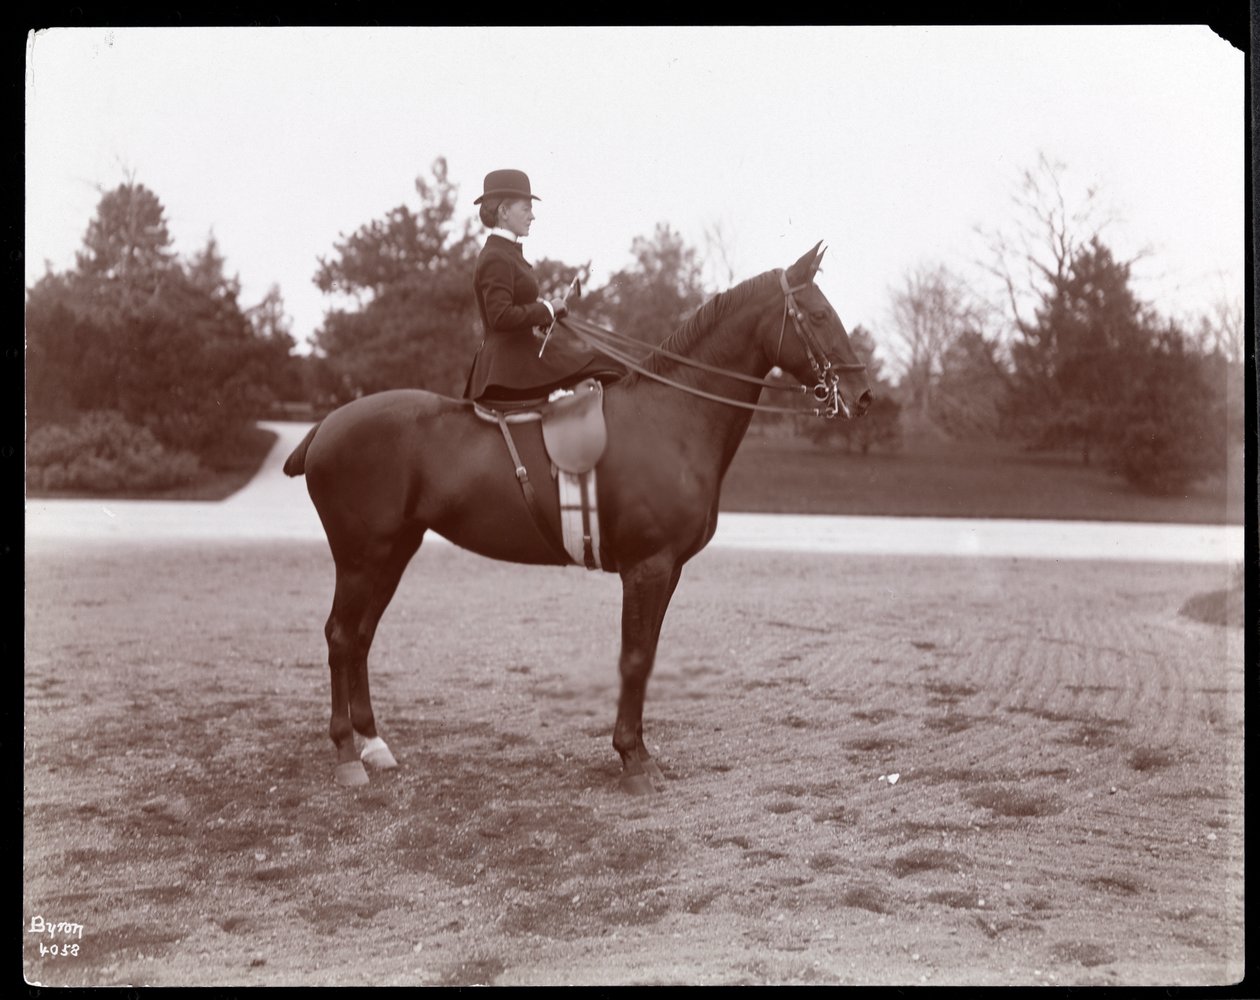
516 216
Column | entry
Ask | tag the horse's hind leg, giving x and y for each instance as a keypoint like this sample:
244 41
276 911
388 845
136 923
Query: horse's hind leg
364 588
375 751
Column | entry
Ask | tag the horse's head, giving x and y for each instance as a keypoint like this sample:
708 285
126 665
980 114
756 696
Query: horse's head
812 344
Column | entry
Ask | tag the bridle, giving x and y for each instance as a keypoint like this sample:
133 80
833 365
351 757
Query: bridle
825 391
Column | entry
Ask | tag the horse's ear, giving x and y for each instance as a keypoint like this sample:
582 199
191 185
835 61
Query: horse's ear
805 268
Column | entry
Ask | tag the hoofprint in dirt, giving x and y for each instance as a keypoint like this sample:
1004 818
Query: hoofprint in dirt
881 770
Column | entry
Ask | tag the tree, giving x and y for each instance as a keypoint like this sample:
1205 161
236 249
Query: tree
133 329
1168 425
71 359
651 299
128 239
1094 367
930 312
207 271
1100 372
410 317
971 388
1223 331
1072 357
554 278
1032 258
269 319
272 328
1221 337
720 255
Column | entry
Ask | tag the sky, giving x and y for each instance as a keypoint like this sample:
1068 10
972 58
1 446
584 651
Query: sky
896 146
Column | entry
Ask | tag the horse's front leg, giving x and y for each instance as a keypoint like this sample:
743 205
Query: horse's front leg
646 590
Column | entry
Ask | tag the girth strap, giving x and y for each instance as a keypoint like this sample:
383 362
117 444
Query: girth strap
531 498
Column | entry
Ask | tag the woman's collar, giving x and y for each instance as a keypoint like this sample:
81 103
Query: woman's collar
507 234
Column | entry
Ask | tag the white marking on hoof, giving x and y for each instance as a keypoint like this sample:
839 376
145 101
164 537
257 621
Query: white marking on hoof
376 753
351 774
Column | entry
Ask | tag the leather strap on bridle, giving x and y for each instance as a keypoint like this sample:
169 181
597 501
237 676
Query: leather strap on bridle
610 338
531 498
789 306
618 355
826 389
817 355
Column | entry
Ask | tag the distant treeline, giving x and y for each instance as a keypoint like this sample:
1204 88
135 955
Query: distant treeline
144 369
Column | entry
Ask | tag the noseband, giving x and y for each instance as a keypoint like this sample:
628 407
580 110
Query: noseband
827 389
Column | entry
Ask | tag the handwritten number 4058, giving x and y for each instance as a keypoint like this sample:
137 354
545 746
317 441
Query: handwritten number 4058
55 950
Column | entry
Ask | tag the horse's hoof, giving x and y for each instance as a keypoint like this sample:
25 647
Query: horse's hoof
352 774
637 784
654 772
381 759
376 754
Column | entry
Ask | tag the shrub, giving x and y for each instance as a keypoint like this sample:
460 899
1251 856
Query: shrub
1152 458
102 452
1169 425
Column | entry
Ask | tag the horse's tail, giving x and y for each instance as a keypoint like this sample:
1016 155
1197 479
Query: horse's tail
295 464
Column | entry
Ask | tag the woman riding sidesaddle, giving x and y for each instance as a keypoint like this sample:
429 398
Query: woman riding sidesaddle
507 366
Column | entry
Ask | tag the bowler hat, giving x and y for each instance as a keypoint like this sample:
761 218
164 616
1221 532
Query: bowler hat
506 183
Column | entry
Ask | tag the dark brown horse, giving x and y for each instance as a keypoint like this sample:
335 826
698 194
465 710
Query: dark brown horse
384 469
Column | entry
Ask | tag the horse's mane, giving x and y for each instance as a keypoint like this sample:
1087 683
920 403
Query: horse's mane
688 337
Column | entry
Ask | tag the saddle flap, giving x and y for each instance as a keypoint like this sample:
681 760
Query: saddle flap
573 428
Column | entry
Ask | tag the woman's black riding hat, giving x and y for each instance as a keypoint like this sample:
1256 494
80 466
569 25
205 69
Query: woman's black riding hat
506 183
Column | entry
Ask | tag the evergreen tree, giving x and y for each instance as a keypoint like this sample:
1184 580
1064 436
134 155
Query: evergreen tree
1168 423
127 242
133 329
1072 359
411 317
650 300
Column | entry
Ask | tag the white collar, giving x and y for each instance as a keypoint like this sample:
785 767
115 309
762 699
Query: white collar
507 234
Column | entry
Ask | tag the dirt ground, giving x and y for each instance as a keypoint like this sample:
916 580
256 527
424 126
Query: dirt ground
882 770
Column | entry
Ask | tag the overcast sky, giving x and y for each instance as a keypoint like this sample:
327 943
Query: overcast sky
890 144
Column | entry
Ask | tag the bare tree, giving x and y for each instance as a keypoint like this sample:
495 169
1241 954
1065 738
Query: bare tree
1221 335
1222 331
1032 259
719 256
930 312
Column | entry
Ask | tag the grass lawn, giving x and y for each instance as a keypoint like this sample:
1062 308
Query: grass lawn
957 480
774 475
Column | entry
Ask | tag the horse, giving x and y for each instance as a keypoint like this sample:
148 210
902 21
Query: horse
384 469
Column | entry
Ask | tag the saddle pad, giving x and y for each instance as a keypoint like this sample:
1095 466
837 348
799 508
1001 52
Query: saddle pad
579 518
573 428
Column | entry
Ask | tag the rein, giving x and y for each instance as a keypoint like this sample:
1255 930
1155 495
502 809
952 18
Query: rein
607 343
826 390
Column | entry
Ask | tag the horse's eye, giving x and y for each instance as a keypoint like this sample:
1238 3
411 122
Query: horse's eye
818 315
